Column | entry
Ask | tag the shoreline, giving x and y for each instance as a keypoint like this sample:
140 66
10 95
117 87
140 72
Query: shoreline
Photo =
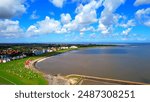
81 78
70 79
52 80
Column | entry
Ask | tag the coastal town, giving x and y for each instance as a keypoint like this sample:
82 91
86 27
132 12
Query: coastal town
9 54
17 63
18 66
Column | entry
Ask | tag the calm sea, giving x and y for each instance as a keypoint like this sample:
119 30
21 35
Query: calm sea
129 62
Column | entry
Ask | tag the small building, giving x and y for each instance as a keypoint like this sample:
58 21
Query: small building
24 55
53 49
17 57
4 60
73 47
37 52
49 50
14 58
8 59
1 61
44 51
21 56
63 48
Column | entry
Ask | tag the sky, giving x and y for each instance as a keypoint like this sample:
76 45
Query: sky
61 21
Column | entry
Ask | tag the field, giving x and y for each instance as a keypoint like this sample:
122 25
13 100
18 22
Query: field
14 72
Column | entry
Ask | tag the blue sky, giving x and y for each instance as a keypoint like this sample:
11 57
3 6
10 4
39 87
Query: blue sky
46 21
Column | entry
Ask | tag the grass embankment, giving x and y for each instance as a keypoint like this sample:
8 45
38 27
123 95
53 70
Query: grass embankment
14 72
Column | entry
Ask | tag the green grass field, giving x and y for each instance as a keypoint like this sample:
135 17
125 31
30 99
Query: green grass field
14 72
5 81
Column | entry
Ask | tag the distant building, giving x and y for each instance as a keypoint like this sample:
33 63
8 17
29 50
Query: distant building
8 59
63 48
37 52
1 61
4 61
44 51
73 47
24 55
49 50
53 49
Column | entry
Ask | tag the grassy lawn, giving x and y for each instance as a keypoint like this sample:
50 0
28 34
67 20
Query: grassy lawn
5 81
14 72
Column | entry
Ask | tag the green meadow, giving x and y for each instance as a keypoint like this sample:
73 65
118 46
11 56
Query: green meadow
14 72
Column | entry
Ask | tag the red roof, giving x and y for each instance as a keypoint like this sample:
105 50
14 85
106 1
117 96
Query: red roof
27 62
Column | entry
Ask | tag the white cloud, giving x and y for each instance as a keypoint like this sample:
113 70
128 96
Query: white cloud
72 26
65 18
147 23
127 31
123 21
143 13
107 15
45 27
85 29
141 2
103 28
91 28
33 29
34 15
87 14
11 8
143 16
129 23
9 28
58 3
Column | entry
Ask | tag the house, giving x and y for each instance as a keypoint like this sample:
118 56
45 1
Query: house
17 57
53 49
37 52
4 60
8 59
24 55
21 56
63 48
49 50
73 47
44 51
13 58
1 61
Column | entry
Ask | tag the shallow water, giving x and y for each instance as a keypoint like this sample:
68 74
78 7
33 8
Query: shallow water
126 63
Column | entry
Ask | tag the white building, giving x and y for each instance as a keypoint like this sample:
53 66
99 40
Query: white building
37 52
73 47
63 48
4 61
49 50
